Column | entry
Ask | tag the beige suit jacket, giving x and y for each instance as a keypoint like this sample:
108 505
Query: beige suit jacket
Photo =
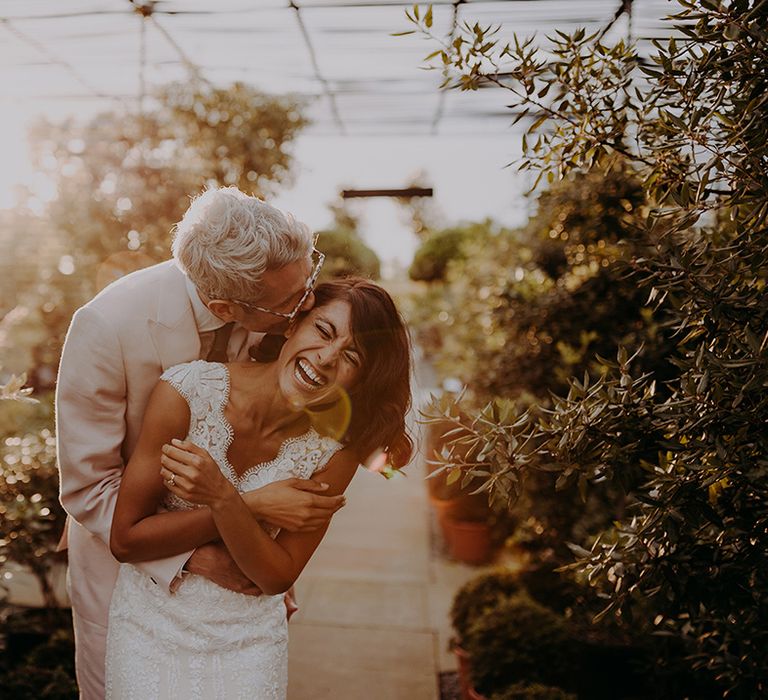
117 347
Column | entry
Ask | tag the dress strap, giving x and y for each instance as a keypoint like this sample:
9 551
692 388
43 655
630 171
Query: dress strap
204 385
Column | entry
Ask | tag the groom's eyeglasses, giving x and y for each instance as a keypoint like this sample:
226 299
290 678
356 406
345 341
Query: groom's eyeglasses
318 259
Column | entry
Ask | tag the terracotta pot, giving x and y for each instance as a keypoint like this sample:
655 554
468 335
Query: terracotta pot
468 541
444 507
463 506
452 502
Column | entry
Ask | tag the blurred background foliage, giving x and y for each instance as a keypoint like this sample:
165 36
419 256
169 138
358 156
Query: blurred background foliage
30 513
438 248
517 313
539 304
346 254
123 182
345 251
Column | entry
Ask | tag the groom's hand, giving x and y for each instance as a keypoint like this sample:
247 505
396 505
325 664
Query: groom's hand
296 505
214 562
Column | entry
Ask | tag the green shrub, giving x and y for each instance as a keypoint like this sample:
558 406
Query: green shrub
430 261
478 596
535 691
48 670
58 651
346 255
521 312
519 640
30 682
556 590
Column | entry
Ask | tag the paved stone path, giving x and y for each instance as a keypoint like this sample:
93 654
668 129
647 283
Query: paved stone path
374 599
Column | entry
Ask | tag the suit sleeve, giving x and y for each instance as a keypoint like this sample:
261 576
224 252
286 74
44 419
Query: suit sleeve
90 430
90 421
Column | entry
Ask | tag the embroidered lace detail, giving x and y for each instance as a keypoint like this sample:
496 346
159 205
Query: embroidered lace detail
205 641
206 386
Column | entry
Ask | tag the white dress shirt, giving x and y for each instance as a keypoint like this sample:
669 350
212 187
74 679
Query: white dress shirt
208 323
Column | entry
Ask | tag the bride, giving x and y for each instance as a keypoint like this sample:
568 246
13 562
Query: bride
220 431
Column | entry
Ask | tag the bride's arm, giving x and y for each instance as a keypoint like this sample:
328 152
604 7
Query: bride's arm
139 532
273 565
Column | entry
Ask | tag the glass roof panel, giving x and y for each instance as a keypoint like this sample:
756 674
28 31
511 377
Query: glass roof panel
326 50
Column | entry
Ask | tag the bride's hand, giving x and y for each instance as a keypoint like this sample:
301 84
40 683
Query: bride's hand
192 474
296 505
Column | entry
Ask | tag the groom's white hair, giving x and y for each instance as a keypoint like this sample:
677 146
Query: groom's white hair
227 239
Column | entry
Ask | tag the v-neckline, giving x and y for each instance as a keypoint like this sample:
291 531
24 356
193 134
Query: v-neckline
236 478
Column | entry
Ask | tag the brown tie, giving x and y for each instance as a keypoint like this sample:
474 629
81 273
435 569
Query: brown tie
218 351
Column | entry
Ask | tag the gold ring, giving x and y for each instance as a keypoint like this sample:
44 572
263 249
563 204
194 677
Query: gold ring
172 480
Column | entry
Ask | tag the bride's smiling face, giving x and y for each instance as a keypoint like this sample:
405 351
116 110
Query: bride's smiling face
319 356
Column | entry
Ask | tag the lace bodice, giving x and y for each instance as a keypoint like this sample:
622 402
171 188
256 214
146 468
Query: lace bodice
205 386
204 642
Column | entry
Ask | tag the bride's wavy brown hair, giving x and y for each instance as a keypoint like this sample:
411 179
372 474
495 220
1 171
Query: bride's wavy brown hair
381 396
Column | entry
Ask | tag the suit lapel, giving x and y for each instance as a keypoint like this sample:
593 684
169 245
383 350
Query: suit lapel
173 330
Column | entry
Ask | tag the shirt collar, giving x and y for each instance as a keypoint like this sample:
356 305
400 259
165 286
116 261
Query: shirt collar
204 318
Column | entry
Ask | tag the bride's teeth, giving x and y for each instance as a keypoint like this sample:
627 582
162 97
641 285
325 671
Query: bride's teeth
310 372
301 379
316 380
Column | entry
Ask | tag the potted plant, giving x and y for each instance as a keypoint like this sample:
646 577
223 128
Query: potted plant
461 514
472 600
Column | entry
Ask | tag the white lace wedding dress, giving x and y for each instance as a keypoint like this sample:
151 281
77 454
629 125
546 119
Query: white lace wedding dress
205 642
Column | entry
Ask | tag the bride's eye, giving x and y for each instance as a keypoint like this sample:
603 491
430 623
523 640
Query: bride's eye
353 357
323 331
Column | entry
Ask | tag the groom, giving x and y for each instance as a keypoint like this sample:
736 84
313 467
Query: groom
239 266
